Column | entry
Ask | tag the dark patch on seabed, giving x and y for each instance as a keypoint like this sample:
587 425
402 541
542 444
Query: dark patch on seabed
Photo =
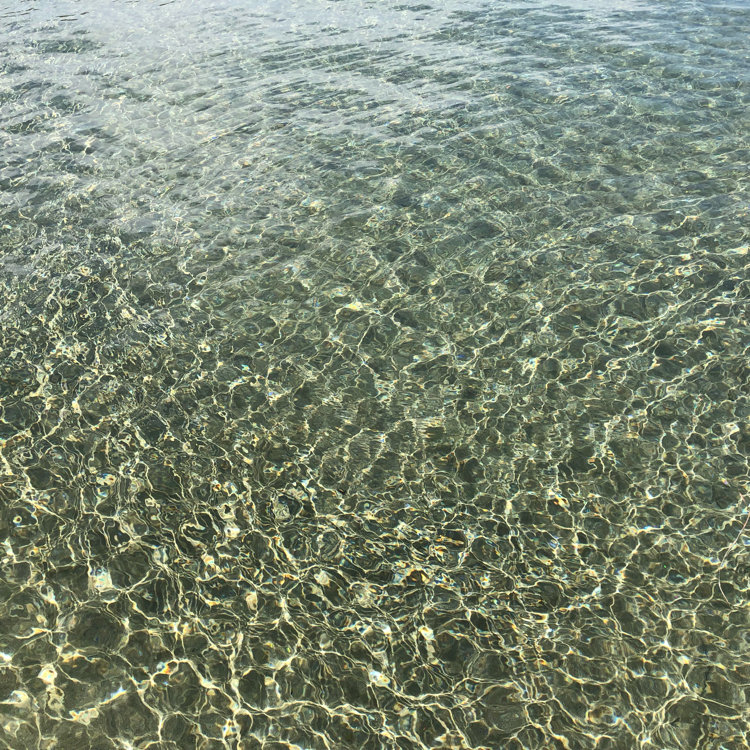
374 376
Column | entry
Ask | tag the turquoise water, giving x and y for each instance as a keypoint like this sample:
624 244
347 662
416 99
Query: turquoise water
374 375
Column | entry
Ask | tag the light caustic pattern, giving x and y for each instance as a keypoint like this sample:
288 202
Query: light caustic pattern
374 376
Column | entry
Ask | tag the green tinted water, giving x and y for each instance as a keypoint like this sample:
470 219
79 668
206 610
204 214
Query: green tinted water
374 375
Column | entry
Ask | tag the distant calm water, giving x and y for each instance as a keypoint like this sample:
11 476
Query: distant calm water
374 375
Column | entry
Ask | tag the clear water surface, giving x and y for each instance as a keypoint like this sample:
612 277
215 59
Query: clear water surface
374 375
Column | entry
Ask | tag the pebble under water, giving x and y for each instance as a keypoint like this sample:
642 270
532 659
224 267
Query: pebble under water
374 375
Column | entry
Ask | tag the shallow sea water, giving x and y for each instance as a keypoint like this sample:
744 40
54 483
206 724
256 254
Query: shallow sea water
374 375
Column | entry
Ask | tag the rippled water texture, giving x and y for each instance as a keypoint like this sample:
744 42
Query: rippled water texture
374 376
